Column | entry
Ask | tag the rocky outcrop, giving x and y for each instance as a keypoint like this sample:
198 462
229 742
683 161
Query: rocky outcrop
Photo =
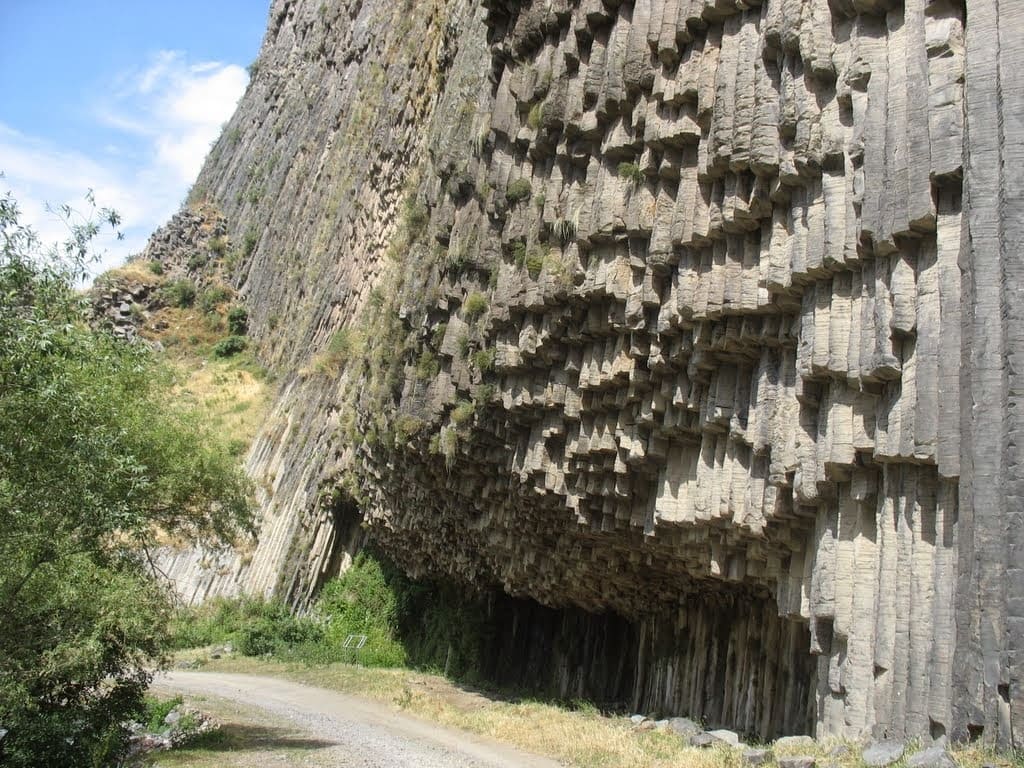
699 312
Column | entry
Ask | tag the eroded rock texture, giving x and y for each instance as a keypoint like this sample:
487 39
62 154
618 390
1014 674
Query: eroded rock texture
706 315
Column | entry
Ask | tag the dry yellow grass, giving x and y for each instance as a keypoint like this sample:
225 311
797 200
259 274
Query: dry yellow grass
233 399
586 739
135 271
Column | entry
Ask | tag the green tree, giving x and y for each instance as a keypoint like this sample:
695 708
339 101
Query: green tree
97 464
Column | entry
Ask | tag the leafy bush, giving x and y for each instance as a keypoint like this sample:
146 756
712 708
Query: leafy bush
415 219
156 711
218 246
238 321
156 267
180 293
463 412
230 346
475 305
256 626
97 455
346 344
249 242
213 297
197 261
519 190
427 366
437 335
483 359
362 602
519 253
632 172
534 262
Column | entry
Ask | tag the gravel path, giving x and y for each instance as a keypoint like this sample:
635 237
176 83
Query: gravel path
357 733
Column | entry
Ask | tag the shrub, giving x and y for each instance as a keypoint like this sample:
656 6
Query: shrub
230 346
563 230
180 293
463 412
249 243
415 218
362 602
474 306
437 335
534 262
213 297
256 626
632 172
427 366
218 246
519 253
407 426
484 359
238 321
197 261
519 190
97 454
156 267
536 115
156 712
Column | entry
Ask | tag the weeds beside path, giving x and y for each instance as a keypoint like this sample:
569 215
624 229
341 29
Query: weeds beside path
354 731
583 738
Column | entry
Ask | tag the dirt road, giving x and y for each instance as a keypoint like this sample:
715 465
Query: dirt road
356 733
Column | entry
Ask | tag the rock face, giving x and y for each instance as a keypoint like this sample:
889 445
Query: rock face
698 312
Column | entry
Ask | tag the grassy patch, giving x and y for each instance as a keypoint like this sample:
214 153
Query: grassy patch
518 190
247 736
475 305
632 172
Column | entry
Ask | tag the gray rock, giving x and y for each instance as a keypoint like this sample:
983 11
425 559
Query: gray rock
933 757
794 742
173 717
704 740
802 761
683 726
636 719
883 753
755 757
729 737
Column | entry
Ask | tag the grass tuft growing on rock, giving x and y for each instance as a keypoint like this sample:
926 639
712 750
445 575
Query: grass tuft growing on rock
518 190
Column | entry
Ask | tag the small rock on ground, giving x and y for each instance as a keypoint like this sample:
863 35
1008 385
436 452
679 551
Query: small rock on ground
729 737
704 740
794 742
756 757
802 761
683 726
883 753
933 757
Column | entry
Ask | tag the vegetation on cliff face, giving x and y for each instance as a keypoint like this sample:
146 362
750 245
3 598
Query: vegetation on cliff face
98 463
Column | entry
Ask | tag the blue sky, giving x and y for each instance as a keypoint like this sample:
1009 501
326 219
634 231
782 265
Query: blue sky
120 97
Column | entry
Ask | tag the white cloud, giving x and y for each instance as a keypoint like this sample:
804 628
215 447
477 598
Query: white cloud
148 145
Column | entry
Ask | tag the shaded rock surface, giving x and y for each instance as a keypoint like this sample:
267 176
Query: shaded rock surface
729 288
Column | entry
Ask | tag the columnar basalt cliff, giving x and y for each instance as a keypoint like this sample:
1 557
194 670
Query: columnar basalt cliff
696 315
